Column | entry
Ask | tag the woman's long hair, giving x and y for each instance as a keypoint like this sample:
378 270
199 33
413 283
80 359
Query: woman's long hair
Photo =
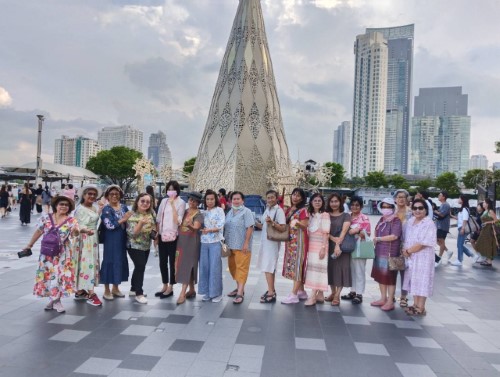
302 194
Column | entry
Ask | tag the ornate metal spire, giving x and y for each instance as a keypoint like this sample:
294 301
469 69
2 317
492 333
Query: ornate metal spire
244 136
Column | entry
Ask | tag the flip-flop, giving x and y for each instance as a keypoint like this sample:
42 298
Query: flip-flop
237 298
233 293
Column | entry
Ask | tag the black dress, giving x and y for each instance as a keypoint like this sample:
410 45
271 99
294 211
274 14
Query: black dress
25 210
4 199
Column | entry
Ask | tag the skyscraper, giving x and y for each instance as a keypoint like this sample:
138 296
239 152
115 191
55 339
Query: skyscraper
399 92
74 151
478 161
440 132
158 150
370 97
342 145
125 136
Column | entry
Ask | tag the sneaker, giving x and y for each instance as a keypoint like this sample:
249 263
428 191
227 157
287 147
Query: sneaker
290 299
141 299
302 295
217 299
449 254
94 300
206 298
50 305
58 306
81 295
436 264
456 263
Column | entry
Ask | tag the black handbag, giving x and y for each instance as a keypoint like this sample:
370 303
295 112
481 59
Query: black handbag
101 232
348 245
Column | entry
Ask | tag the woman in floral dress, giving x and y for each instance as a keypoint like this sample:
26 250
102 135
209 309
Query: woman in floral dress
294 261
55 276
87 246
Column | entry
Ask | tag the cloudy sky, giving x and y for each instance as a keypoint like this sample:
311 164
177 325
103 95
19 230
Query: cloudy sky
153 64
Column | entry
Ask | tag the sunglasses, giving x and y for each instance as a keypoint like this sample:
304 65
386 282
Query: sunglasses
418 208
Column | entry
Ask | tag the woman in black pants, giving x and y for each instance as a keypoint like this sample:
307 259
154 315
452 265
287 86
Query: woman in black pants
139 228
170 215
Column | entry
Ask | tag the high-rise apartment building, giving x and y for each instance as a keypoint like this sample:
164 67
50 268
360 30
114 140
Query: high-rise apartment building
478 161
125 136
399 92
440 132
369 109
496 166
75 151
342 145
158 150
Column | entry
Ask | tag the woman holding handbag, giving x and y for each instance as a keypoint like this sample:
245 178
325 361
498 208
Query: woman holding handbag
339 263
141 229
294 261
317 254
360 226
387 241
269 249
55 276
419 243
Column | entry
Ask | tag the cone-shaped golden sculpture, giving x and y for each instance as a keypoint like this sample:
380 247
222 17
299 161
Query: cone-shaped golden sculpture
244 138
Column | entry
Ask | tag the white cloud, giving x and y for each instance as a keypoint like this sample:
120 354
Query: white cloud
5 98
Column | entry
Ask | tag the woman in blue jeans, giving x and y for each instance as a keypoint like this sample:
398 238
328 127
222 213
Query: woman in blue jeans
462 219
210 281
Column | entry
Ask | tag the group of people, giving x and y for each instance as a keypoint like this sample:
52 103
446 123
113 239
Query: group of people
320 237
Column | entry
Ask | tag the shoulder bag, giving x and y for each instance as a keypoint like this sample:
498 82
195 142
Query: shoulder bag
364 249
225 250
274 234
397 263
348 245
471 225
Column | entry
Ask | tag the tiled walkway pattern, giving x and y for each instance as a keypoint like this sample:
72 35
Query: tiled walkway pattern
459 337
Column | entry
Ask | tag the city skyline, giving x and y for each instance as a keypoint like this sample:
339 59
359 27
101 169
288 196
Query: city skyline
154 64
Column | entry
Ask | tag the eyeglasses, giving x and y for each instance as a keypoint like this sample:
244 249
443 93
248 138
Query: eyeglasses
418 208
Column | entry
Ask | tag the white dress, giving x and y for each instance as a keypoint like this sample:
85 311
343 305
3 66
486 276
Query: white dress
269 250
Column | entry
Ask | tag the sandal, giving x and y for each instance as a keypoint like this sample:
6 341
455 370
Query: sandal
238 299
403 302
349 296
329 298
264 295
233 293
320 299
335 302
357 300
191 294
409 309
417 312
268 299
486 264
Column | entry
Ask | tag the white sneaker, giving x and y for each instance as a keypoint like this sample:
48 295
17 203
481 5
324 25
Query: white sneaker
449 254
436 264
456 263
291 299
141 299
206 298
217 299
58 306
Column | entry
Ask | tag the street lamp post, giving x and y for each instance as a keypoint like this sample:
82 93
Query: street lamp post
39 149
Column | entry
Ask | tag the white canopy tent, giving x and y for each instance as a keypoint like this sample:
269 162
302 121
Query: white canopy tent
53 172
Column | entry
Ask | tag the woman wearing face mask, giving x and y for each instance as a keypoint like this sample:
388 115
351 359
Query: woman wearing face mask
387 241
462 219
170 215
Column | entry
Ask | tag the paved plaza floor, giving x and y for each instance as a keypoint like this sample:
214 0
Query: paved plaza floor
460 336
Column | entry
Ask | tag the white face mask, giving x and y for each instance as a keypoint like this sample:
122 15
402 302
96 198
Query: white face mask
386 211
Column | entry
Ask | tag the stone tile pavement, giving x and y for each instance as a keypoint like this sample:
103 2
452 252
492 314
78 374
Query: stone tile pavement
460 336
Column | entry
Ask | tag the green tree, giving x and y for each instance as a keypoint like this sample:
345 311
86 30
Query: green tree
448 181
189 165
115 165
497 146
376 179
475 177
338 174
355 182
399 182
424 184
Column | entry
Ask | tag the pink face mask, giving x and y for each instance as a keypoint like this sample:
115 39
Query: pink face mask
171 193
386 211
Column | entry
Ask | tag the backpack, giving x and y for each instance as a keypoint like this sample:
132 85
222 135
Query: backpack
471 226
51 241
